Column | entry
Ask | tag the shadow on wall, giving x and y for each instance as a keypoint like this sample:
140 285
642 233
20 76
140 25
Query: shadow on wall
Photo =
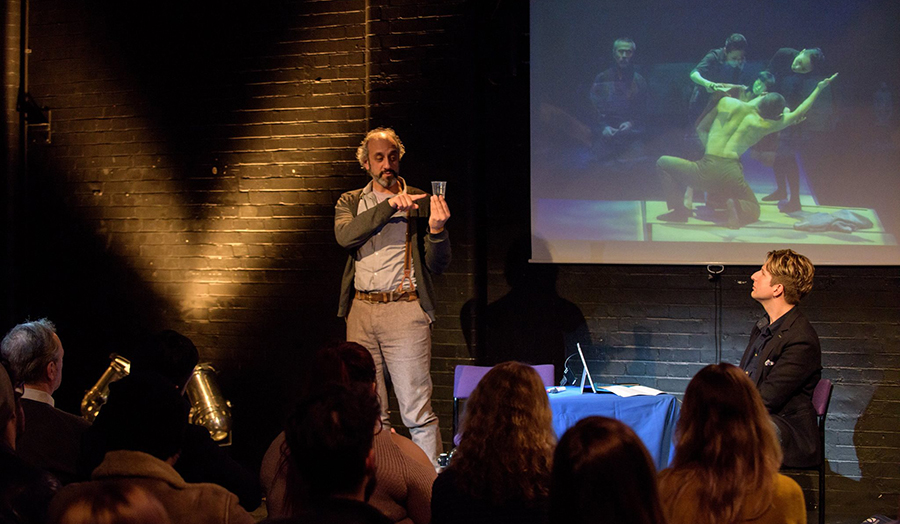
862 461
876 441
99 304
531 323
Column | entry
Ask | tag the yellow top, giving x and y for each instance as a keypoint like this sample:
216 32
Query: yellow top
788 505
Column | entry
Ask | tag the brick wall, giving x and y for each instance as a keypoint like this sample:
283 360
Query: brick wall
10 37
193 171
191 180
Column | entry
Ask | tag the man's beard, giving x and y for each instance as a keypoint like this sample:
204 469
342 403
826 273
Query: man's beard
385 182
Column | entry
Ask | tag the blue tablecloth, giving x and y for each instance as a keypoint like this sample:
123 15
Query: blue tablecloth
652 418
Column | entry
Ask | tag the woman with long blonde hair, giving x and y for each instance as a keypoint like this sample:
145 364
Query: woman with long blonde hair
727 457
501 470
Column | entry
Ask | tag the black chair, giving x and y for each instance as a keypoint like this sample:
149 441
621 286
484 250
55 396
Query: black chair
821 399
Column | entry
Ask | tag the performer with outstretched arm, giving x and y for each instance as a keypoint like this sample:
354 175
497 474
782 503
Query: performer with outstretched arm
726 133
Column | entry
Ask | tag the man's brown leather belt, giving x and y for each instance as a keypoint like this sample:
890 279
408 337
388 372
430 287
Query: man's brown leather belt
389 296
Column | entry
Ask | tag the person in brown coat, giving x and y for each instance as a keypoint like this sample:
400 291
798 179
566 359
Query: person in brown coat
146 423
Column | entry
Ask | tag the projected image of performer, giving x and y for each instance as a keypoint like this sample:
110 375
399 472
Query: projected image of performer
764 82
720 66
788 65
726 133
619 95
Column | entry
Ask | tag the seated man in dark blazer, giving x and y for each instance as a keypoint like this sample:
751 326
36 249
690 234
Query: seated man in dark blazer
52 437
783 357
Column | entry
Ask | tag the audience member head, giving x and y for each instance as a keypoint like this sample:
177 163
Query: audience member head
808 60
111 502
145 412
345 363
623 51
793 271
8 410
725 447
588 475
35 354
507 442
168 353
735 47
329 437
342 363
771 106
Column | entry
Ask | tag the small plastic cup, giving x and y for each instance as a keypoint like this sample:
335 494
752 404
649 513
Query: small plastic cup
439 187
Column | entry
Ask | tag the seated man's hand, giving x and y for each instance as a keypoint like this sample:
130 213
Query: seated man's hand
625 126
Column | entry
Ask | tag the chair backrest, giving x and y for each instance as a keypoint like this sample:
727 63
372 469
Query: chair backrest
822 397
465 378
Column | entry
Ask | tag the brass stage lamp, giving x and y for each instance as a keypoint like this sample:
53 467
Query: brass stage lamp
119 367
208 406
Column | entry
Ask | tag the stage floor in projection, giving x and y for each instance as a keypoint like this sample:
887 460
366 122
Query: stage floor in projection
594 220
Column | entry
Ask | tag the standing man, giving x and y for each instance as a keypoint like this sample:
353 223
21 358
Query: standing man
788 65
720 66
783 357
52 437
396 240
619 95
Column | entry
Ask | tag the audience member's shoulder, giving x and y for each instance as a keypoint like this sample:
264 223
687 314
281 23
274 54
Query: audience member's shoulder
410 452
337 511
35 411
271 461
787 488
446 481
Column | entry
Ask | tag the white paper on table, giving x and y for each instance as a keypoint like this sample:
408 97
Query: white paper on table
631 391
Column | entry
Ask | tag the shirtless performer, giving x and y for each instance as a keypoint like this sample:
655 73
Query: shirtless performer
726 133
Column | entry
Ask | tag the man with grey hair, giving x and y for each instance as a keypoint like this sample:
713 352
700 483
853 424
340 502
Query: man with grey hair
52 437
395 240
619 95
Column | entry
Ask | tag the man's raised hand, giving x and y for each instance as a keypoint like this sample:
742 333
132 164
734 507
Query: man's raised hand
405 202
440 213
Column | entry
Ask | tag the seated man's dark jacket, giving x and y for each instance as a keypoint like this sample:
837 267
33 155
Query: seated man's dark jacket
788 370
51 439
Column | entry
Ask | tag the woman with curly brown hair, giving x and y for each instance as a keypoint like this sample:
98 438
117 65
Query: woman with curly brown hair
727 457
501 469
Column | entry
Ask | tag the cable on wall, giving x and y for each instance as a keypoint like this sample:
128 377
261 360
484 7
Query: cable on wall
714 272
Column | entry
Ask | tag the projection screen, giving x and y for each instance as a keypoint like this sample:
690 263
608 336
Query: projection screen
657 136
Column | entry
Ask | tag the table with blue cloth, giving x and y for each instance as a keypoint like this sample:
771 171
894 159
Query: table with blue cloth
652 418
